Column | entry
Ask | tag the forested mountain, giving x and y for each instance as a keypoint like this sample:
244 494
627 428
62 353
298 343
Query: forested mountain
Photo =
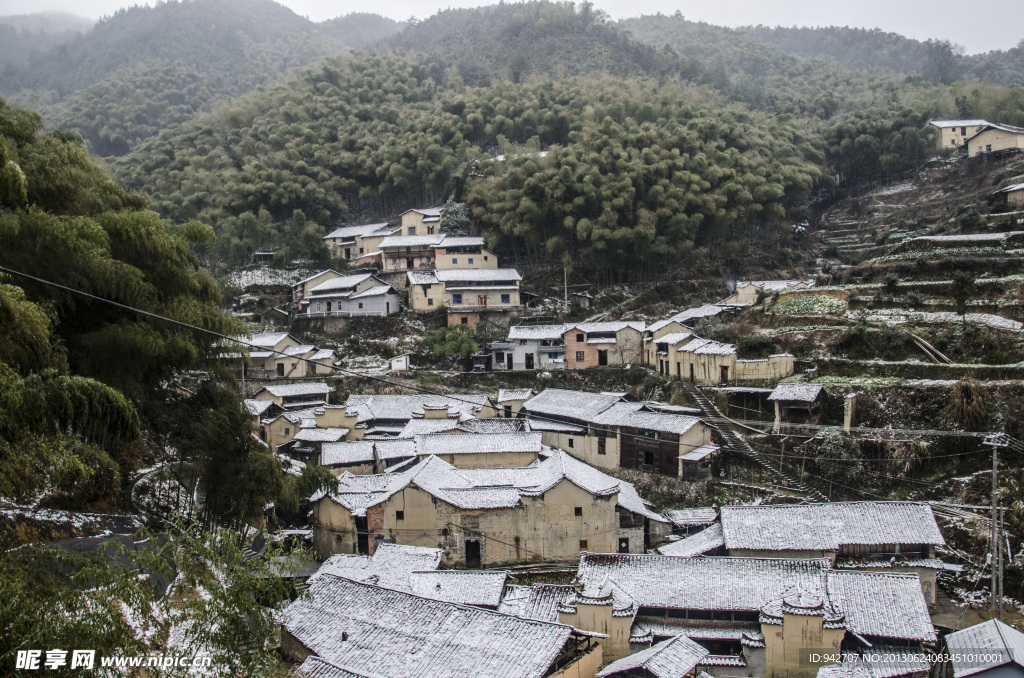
146 68
24 36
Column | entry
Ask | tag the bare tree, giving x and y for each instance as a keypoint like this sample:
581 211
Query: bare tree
942 61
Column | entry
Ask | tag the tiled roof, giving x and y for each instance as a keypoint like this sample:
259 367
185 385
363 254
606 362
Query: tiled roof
707 347
353 231
411 240
555 426
536 331
704 515
391 565
421 277
654 327
610 326
264 339
635 415
539 601
1001 643
672 658
320 435
309 388
378 291
315 667
319 273
425 211
698 453
342 454
803 393
883 661
467 587
881 604
775 285
341 283
477 275
478 443
257 407
803 527
958 123
579 405
417 427
509 394
705 311
461 241
390 634
322 354
674 338
1005 128
298 349
494 425
405 407
705 541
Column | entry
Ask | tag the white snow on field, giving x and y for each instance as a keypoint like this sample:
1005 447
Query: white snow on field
898 317
895 188
264 276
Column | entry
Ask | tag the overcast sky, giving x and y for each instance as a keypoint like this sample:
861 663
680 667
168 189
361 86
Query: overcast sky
996 25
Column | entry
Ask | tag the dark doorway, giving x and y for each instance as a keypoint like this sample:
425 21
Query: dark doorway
362 536
387 308
408 263
623 544
280 369
348 252
602 357
691 373
529 361
472 554
509 361
725 374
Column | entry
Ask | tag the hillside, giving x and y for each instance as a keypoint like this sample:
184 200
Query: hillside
25 36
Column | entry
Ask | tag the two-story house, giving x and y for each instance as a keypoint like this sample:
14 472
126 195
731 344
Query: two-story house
352 243
362 294
603 344
955 133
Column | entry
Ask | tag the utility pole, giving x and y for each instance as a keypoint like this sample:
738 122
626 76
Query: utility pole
996 441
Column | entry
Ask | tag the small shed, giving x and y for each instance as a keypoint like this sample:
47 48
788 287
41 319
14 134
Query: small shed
582 299
1013 195
275 317
400 363
797 407
696 464
690 520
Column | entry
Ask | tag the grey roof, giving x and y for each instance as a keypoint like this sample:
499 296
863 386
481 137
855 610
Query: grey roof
958 123
264 339
555 426
883 662
510 394
803 393
776 285
319 273
478 443
698 453
1011 188
705 541
405 407
468 587
539 601
636 415
494 425
803 527
610 326
412 240
672 658
421 277
391 565
425 211
390 634
320 435
257 407
674 338
705 311
341 283
654 327
537 331
477 275
353 231
418 427
309 388
579 405
461 241
992 640
377 291
315 667
881 604
702 515
707 347
346 453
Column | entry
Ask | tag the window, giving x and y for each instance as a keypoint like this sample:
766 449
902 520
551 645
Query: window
465 320
579 337
600 445
455 260
394 262
522 342
328 307
963 131
471 260
578 511
583 544
552 356
412 230
485 257
360 250
579 356
360 304
287 431
456 298
572 443
505 298
430 230
430 302
988 147
399 515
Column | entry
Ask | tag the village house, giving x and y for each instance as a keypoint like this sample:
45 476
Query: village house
348 628
955 133
756 616
991 138
388 415
300 289
278 429
677 657
468 294
408 252
550 510
797 407
356 242
421 221
296 396
606 432
530 347
274 318
511 401
603 344
1013 196
660 328
748 290
703 361
461 449
865 535
663 351
691 520
691 316
454 252
990 649
260 410
362 294
264 350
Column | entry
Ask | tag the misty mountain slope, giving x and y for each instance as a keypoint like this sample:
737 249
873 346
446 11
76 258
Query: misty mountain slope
23 36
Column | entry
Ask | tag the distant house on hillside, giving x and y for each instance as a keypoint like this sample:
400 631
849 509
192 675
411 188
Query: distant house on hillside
421 221
362 294
468 294
352 243
300 290
991 138
747 290
1013 195
604 344
954 133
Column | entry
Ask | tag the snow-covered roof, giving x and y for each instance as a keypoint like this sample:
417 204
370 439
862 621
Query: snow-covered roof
674 338
468 587
654 327
881 604
803 393
264 339
536 331
315 275
298 349
551 426
812 527
412 240
578 405
478 443
418 427
320 435
506 395
539 601
405 407
958 123
636 415
391 634
883 661
703 515
257 407
315 667
421 277
707 347
672 658
699 453
342 283
322 354
287 390
705 541
994 125
776 285
1011 188
484 488
478 275
377 291
346 453
391 565
460 241
425 211
610 326
353 231
705 311
994 644
494 425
